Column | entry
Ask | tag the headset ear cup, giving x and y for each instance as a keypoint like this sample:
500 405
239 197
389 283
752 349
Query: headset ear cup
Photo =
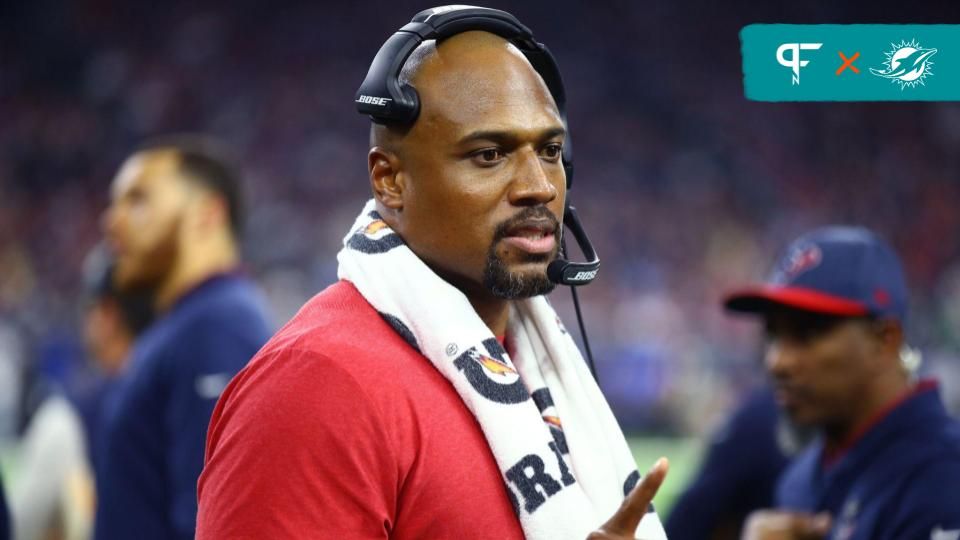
567 152
411 103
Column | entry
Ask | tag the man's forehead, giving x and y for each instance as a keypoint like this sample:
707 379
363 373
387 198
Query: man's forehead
478 77
143 168
459 50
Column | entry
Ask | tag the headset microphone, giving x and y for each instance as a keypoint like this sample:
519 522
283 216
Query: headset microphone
387 101
565 272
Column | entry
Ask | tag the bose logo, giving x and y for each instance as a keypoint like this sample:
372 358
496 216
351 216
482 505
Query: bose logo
373 100
584 276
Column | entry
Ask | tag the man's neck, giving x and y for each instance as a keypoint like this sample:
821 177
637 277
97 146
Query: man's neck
113 357
195 263
884 392
494 312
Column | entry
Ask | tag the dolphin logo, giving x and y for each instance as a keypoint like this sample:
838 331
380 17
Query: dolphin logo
907 64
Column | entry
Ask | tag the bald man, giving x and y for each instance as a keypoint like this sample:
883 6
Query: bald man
351 422
174 223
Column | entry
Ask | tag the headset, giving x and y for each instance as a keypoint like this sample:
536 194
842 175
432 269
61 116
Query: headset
386 101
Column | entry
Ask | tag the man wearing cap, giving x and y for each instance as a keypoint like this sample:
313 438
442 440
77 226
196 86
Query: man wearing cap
886 463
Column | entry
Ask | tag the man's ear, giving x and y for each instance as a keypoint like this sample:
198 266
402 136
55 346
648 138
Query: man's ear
385 177
210 211
891 336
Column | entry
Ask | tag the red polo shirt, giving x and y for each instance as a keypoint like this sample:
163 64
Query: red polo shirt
340 429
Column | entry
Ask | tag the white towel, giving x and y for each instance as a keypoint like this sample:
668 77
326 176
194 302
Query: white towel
563 457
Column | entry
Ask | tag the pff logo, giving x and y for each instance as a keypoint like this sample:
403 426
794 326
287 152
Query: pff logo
794 62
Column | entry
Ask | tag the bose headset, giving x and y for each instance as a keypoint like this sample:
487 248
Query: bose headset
387 101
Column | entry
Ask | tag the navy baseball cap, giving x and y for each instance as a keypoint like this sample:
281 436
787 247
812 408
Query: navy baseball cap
841 271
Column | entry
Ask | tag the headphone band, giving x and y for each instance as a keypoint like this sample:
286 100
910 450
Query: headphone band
387 101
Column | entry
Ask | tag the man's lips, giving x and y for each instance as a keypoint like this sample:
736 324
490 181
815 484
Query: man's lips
533 236
788 396
543 244
115 245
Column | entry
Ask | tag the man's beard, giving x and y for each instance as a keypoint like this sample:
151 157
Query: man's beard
153 267
497 277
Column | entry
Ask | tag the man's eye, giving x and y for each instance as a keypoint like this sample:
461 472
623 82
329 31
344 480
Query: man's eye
488 156
136 197
552 151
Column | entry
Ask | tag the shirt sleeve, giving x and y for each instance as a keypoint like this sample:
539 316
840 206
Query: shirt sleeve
194 383
296 449
738 474
705 504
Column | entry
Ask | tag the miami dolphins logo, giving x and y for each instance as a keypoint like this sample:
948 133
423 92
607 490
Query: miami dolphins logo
907 64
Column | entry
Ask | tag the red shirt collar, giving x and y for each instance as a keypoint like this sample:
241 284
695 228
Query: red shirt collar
833 455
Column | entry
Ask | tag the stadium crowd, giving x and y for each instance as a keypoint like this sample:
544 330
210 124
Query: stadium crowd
685 187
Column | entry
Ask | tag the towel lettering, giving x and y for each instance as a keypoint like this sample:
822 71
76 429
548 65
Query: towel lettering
533 483
527 483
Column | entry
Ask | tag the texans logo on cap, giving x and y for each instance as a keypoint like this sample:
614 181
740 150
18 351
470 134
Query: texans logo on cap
801 259
839 270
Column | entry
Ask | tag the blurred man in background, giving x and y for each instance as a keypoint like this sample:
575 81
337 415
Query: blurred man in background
112 321
53 496
739 473
886 464
112 318
174 223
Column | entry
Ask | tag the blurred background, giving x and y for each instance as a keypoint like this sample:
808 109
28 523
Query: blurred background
685 187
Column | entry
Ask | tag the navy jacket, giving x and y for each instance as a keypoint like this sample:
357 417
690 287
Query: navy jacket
155 420
899 481
738 475
5 531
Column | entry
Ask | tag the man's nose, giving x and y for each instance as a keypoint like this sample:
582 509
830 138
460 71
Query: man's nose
780 359
106 220
110 222
532 185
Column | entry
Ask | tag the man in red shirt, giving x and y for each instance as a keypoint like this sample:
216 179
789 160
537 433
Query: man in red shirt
341 426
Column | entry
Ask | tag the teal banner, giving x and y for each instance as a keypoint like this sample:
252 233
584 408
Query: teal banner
851 62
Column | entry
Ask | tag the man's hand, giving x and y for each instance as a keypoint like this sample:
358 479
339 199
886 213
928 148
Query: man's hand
777 525
624 523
